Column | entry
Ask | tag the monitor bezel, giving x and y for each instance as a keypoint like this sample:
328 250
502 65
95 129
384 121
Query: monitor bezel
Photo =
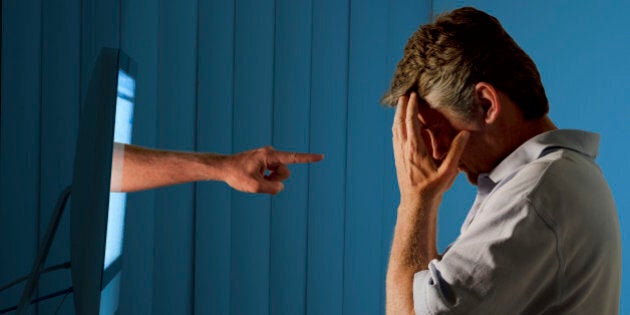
91 179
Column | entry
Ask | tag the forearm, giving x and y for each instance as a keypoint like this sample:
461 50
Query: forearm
413 247
145 168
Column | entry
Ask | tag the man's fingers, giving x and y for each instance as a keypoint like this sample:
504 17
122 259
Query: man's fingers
270 187
294 157
413 125
399 117
455 151
278 173
398 127
411 110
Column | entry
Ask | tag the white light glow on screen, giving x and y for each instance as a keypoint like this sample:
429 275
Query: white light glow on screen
117 201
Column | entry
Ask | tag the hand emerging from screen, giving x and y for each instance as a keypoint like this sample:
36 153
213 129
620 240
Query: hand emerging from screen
263 170
260 170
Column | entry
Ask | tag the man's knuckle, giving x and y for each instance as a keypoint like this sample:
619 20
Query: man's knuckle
266 149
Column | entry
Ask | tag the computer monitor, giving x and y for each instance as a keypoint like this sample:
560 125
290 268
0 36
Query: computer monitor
97 216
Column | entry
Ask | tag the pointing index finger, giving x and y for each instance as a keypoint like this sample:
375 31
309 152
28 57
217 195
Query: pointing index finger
295 157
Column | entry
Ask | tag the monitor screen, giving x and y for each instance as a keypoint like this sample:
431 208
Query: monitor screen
97 216
116 211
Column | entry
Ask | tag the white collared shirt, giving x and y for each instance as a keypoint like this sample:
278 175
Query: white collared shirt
542 237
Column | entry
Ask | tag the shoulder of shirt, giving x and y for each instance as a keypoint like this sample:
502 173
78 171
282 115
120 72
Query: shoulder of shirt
547 176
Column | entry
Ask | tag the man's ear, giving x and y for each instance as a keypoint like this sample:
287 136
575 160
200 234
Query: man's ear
490 102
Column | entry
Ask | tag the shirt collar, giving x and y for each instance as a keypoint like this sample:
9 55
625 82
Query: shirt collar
583 142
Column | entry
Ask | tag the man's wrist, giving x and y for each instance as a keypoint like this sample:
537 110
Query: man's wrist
215 166
420 202
415 234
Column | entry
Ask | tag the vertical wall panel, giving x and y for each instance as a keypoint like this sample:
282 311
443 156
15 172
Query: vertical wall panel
368 77
252 127
99 28
19 145
328 114
138 38
59 112
214 133
291 132
174 227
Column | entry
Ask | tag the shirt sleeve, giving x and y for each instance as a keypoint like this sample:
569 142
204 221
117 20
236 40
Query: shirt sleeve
506 262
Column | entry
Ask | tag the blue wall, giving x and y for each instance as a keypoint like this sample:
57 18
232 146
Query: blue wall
227 76
221 76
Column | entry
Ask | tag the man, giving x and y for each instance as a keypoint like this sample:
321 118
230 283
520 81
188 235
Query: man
542 236
256 171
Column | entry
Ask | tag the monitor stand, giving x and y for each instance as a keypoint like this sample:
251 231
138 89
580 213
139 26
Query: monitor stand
42 253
